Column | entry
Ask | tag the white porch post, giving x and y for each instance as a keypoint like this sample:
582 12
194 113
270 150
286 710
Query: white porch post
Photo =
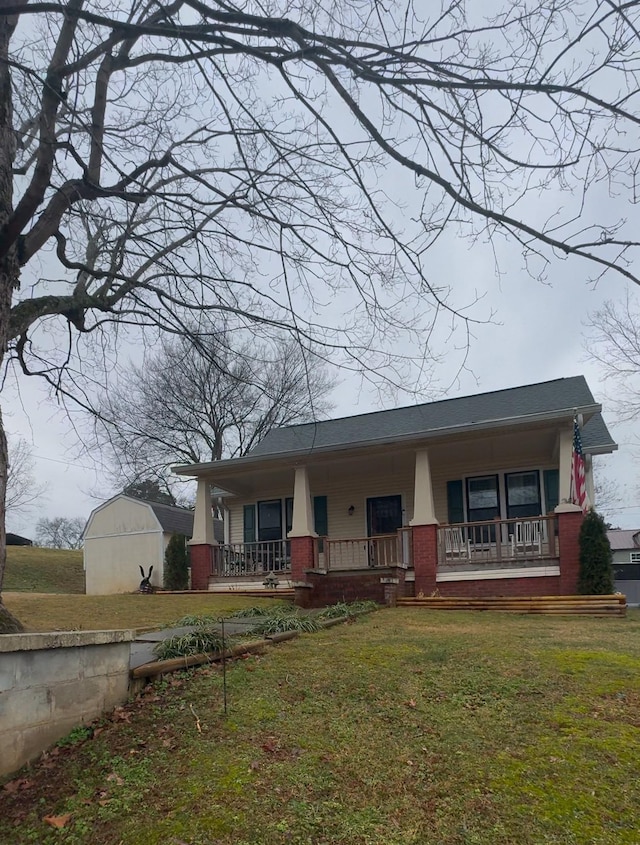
565 452
423 508
302 522
202 517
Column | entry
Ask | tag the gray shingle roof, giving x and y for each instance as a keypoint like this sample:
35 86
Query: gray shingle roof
173 520
621 539
483 408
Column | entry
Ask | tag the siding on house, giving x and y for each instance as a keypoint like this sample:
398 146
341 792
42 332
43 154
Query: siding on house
350 481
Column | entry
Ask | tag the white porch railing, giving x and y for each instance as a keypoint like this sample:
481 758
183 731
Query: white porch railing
237 559
498 542
364 552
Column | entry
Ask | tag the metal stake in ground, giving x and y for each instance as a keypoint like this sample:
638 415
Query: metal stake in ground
224 665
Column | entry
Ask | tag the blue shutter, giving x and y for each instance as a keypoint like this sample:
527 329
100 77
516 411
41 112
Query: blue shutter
320 522
551 479
249 523
455 501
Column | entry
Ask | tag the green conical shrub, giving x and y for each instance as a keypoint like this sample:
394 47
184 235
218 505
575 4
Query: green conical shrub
596 574
176 566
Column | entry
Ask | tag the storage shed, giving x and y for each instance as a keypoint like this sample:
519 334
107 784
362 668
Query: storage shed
123 534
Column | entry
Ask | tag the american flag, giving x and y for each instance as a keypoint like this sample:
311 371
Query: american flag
578 483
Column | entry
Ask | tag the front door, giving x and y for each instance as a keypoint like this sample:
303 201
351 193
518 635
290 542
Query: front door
384 516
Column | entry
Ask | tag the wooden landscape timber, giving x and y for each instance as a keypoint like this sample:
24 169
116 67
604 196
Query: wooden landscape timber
612 605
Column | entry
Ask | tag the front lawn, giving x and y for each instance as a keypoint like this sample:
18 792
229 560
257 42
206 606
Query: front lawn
406 726
130 611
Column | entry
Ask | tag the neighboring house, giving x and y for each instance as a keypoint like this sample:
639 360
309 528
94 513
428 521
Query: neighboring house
465 496
17 540
625 546
123 534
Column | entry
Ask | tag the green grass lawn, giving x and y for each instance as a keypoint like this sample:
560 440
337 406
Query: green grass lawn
39 612
31 569
405 727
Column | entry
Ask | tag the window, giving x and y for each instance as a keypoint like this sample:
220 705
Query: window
483 502
276 514
523 494
634 557
270 520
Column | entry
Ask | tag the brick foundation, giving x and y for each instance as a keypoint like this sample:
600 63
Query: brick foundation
424 540
351 585
201 566
548 585
569 525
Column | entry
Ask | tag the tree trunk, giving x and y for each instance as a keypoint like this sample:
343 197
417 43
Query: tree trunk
9 277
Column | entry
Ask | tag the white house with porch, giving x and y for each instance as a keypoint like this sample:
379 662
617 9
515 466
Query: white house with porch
465 496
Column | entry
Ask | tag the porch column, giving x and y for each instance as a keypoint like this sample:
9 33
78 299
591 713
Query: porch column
565 453
424 525
203 540
302 535
423 509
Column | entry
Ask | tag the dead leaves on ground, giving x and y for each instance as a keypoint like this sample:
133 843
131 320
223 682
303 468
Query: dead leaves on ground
58 821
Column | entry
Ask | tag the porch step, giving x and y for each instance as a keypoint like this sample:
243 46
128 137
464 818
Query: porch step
614 605
287 593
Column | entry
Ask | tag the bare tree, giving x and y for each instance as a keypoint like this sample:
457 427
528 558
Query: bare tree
203 399
615 343
161 159
60 532
22 488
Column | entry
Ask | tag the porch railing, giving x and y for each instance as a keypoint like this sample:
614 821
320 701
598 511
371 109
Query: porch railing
260 558
498 541
364 552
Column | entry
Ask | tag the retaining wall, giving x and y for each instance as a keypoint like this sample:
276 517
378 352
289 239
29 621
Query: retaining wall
51 683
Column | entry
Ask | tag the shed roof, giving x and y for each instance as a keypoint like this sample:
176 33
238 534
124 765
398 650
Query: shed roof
173 520
516 403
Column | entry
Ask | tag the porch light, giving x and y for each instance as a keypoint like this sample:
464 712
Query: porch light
351 510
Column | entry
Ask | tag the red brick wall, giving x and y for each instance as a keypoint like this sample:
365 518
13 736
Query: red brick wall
352 585
548 585
425 557
201 566
569 525
302 557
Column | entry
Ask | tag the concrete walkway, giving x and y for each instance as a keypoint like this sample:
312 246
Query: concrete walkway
143 645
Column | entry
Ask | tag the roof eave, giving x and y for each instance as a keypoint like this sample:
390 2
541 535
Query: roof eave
250 460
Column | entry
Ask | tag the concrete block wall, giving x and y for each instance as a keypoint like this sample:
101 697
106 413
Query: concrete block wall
51 683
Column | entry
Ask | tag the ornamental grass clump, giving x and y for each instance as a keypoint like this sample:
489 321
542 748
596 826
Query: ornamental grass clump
261 611
278 623
201 641
193 619
347 609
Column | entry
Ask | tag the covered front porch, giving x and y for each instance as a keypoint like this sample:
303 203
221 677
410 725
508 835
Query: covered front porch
479 512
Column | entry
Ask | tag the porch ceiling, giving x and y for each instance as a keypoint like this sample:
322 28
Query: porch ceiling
243 477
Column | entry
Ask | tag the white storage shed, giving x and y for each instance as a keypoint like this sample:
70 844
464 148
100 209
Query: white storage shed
123 534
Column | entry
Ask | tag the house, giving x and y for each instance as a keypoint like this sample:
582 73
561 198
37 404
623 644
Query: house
625 545
123 534
468 496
